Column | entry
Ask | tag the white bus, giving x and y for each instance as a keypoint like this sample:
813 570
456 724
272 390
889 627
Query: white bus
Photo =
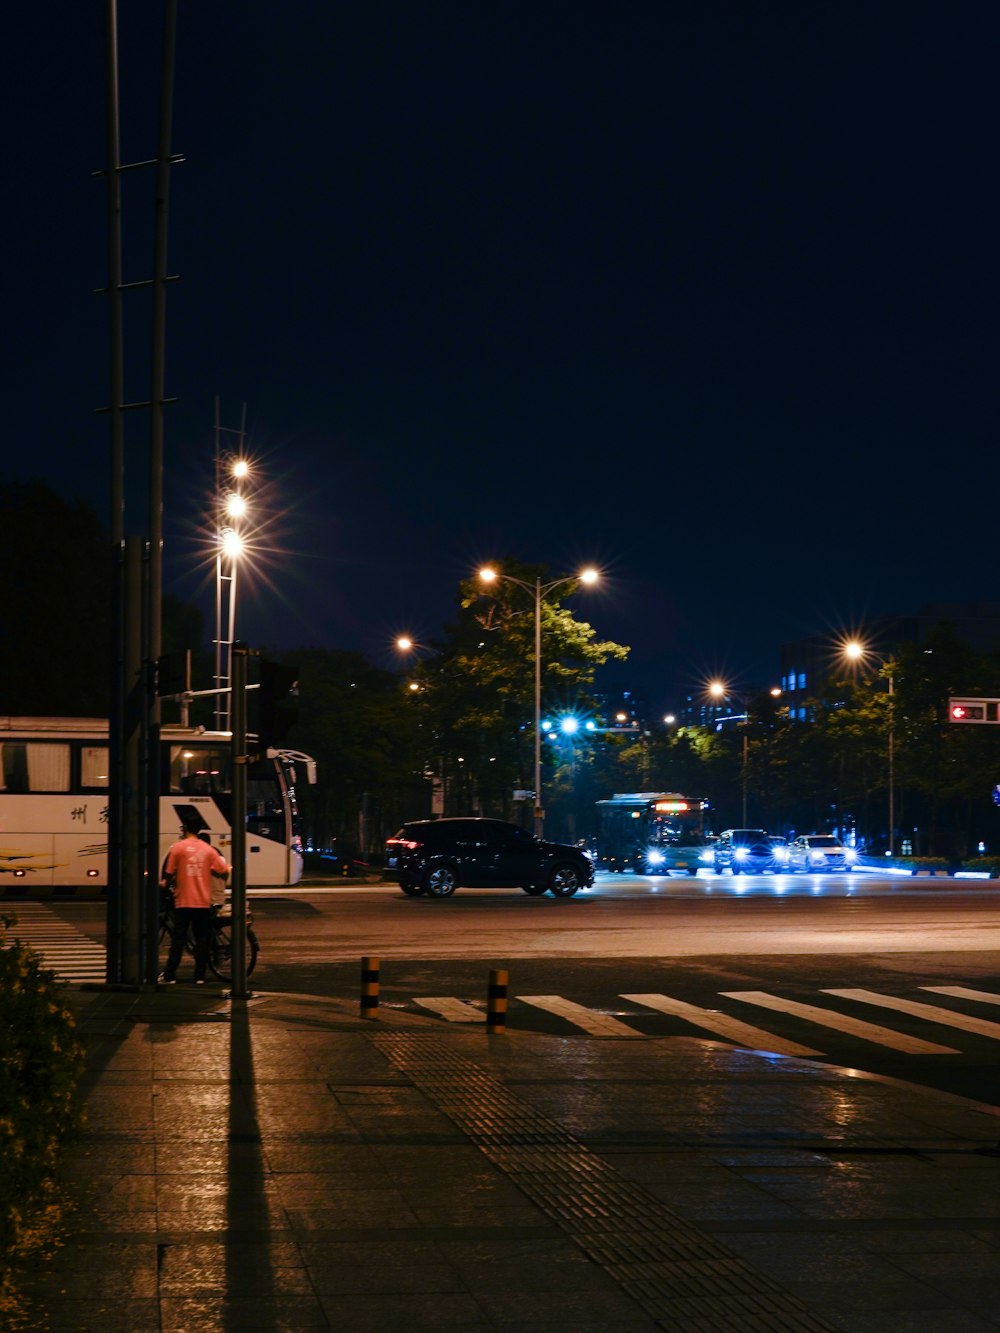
54 801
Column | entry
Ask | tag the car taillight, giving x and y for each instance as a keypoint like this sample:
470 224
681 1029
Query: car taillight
403 842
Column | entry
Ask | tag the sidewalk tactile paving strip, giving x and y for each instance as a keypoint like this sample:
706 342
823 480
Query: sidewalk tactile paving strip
683 1278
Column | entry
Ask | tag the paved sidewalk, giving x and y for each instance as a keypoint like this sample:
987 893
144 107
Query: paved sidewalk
282 1164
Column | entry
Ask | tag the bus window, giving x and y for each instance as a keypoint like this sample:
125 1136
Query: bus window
14 767
94 767
28 767
199 770
264 798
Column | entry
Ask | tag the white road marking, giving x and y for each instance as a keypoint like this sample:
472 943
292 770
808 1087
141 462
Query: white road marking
745 1034
933 1013
857 1027
598 1025
965 993
63 949
455 1011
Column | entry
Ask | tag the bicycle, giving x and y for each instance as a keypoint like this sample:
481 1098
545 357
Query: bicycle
220 945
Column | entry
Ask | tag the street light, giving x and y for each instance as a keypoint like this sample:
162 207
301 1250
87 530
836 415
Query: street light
855 652
722 692
231 472
538 590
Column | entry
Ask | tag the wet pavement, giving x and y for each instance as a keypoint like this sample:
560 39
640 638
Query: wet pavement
283 1164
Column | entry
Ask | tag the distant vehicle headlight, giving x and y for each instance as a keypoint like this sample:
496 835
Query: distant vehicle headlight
818 857
706 854
742 853
781 853
850 854
654 858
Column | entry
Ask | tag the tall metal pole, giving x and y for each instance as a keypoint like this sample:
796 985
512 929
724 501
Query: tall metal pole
539 808
892 728
217 501
157 398
746 721
115 918
238 882
157 375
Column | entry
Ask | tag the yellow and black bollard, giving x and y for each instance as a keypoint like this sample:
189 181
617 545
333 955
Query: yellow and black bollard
369 988
496 1004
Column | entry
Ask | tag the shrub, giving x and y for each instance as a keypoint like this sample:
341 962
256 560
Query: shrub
991 864
41 1061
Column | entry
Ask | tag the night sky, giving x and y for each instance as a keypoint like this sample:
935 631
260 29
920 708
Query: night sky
703 293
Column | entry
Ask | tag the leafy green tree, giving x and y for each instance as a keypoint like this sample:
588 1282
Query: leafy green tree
478 689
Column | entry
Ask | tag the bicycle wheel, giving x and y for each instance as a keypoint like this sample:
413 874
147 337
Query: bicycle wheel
220 952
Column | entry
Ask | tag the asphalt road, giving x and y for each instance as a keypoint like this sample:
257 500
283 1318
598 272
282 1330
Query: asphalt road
729 957
899 978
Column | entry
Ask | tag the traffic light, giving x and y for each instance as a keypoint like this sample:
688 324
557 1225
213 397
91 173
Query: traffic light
967 712
974 710
277 701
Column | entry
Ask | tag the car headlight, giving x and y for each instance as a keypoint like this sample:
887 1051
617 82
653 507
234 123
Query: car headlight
654 858
742 853
817 857
850 855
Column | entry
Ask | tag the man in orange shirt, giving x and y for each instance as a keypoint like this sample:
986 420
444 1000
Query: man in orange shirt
190 864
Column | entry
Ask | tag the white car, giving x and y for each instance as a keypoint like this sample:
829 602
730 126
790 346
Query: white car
780 846
818 852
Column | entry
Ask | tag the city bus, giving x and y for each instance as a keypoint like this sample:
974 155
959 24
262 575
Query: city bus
635 829
54 801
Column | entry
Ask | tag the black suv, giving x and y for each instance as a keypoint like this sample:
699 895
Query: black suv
745 851
434 856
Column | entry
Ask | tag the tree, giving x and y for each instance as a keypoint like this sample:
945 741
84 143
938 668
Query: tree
478 687
364 732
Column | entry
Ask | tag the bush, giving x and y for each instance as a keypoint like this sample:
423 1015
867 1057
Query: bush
991 864
41 1061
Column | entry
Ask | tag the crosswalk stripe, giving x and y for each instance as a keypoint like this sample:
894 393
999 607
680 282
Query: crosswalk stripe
598 1025
857 1027
63 949
933 1013
965 993
455 1011
713 1021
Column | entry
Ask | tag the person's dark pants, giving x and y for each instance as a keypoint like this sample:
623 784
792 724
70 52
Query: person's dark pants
200 921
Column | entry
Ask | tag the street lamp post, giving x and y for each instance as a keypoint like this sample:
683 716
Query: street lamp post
721 692
855 652
538 590
436 769
231 511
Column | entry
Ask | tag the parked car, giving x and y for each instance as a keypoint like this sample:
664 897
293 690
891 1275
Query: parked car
744 851
435 856
691 852
818 852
